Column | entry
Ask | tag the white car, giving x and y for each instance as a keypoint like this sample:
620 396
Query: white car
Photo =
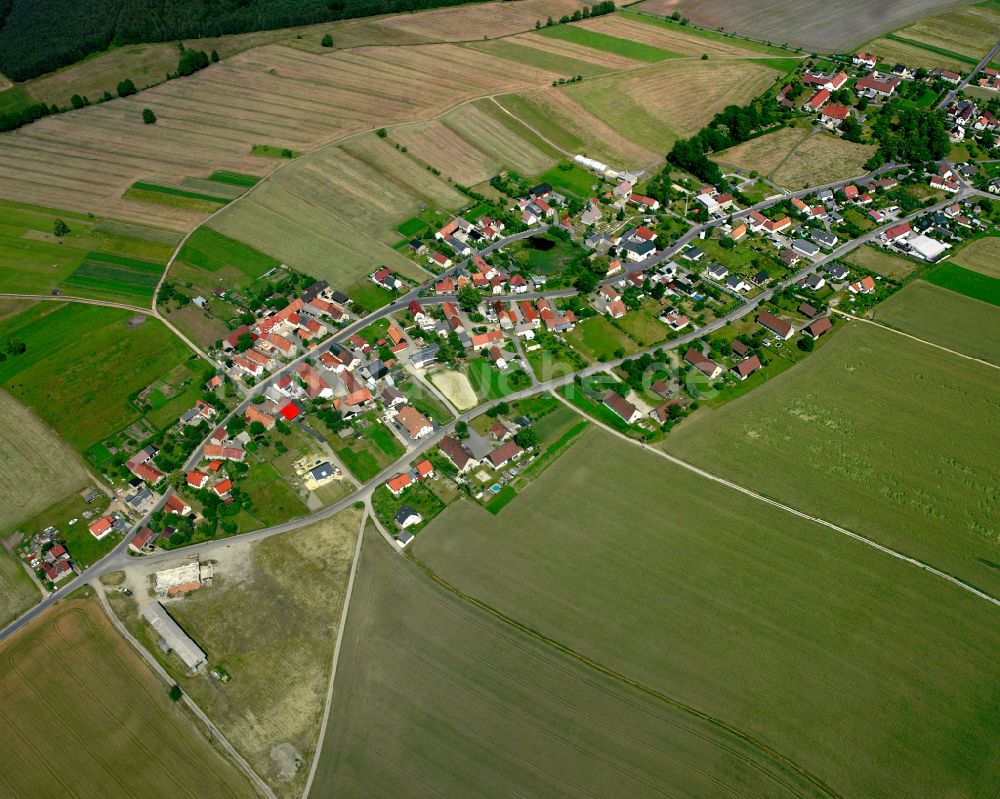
72 521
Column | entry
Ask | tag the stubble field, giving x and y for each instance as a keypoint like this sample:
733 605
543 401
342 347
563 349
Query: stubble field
861 670
435 696
881 262
981 255
822 158
81 706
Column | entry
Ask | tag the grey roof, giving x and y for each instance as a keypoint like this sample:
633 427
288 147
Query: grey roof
837 270
178 640
406 516
805 247
322 471
823 238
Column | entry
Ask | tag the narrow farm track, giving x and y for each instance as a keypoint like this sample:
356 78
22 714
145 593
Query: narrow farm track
786 508
956 353
780 760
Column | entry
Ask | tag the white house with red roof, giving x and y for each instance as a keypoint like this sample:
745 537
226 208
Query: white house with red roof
863 59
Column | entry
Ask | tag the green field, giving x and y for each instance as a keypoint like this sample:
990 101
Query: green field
861 670
76 694
571 178
965 281
865 433
608 44
175 191
598 339
35 261
933 49
83 364
944 317
211 251
437 696
234 178
533 57
101 275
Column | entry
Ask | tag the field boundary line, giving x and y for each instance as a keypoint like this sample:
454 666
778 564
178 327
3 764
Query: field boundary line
847 315
336 657
538 133
787 508
761 748
214 732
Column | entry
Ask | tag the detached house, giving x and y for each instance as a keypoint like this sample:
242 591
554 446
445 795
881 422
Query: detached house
621 407
779 327
706 366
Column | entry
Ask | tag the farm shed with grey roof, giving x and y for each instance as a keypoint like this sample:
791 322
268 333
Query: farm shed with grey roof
178 640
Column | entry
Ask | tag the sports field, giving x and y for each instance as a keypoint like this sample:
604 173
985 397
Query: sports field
435 696
80 706
36 466
981 255
944 317
83 363
287 627
865 433
861 670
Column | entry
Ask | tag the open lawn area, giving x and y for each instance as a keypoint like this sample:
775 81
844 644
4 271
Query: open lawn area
488 710
980 255
881 262
944 317
599 340
821 158
83 364
261 622
224 258
860 670
75 693
920 484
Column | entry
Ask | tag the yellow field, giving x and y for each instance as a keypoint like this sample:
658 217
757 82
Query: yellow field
36 467
971 30
981 255
763 155
902 53
83 716
822 158
672 99
467 23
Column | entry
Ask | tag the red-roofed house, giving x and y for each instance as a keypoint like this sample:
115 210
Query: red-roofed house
398 484
425 470
101 527
779 327
416 424
835 113
175 504
141 540
747 367
290 411
647 203
223 487
196 479
816 102
864 286
863 59
877 85
897 231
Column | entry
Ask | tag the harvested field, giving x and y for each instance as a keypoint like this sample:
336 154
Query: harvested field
576 58
822 158
834 26
667 37
261 622
981 255
881 262
895 52
943 317
76 694
36 466
656 106
574 129
486 710
86 160
469 23
474 142
764 154
863 671
918 486
969 31
456 388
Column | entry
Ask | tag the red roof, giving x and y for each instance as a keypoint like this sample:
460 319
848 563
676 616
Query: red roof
223 487
175 504
836 111
290 411
897 230
398 483
424 468
196 479
817 100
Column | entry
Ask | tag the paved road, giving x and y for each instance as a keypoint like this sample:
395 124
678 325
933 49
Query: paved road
115 559
946 100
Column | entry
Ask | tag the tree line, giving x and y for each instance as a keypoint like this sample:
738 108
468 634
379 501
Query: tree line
38 36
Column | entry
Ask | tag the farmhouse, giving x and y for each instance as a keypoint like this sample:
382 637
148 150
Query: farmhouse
416 424
174 637
779 327
875 85
747 367
621 407
459 456
706 366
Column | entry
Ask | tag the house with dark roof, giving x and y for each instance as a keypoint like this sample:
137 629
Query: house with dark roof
747 367
779 327
706 366
621 407
818 327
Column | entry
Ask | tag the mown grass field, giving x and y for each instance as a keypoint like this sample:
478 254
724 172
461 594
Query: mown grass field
765 153
35 261
77 695
596 40
881 262
82 365
262 622
944 317
981 255
36 466
860 669
872 418
435 696
822 158
977 285
226 259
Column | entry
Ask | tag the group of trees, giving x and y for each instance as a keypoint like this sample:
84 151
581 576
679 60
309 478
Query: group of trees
597 10
12 348
909 135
